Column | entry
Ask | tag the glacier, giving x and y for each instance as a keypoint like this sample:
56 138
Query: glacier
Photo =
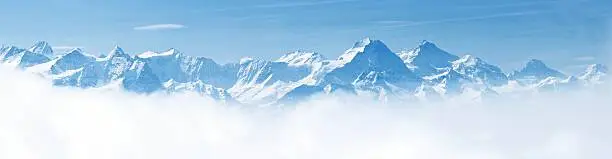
369 68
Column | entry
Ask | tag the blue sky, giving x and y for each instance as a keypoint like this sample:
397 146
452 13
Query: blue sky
564 33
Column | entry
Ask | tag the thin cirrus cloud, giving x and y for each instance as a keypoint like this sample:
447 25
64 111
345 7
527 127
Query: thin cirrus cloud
158 27
400 24
511 5
288 5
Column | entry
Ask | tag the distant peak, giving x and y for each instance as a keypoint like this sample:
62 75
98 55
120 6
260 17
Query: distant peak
42 47
426 43
428 47
367 42
597 68
535 63
116 51
75 50
117 47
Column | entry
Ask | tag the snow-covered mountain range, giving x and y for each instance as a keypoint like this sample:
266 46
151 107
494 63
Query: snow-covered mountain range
368 69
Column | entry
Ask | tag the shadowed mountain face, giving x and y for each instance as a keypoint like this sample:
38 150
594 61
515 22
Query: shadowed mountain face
369 68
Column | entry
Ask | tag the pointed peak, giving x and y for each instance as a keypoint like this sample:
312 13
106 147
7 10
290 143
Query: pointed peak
425 43
367 42
428 48
366 46
78 53
535 62
117 51
42 47
75 51
117 47
536 68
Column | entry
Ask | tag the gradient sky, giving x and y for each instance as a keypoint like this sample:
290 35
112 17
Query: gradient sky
564 33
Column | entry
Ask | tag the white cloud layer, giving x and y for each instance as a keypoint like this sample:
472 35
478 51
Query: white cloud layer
40 121
156 27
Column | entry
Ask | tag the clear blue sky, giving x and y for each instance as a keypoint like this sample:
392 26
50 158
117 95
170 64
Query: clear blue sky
564 33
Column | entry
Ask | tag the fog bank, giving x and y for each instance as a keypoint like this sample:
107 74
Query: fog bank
39 121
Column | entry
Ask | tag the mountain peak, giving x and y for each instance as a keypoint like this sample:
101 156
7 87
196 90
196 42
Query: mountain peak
425 43
362 43
117 48
368 42
42 47
366 47
480 71
594 73
368 58
536 70
117 51
536 63
75 51
427 58
597 68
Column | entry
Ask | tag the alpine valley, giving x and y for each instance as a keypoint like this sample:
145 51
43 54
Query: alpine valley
369 69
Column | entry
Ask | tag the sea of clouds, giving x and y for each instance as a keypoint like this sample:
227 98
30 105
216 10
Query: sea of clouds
39 121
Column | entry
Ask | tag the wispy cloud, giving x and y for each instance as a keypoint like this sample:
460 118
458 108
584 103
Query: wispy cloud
509 5
287 5
155 27
396 24
585 58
